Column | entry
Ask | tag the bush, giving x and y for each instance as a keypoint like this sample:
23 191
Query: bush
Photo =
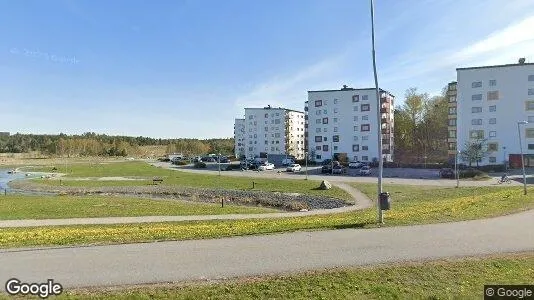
200 165
181 163
232 167
473 173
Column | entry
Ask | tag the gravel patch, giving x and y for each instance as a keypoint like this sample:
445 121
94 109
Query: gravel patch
287 201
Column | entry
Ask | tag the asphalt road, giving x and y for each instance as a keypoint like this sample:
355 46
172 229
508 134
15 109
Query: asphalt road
270 254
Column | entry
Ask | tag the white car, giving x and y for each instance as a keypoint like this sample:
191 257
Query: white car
294 168
266 166
355 164
365 170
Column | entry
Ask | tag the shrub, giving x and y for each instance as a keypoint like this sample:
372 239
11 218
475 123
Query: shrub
473 173
200 165
232 167
181 163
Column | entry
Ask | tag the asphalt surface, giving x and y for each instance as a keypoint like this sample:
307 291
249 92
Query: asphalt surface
261 255
361 202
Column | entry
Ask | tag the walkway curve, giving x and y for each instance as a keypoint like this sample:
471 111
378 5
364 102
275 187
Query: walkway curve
101 266
361 202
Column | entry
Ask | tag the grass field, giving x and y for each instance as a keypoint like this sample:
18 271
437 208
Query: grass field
177 178
444 279
14 207
419 206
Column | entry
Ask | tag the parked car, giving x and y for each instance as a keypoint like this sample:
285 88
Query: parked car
446 173
294 168
365 171
287 162
355 164
266 166
338 169
326 169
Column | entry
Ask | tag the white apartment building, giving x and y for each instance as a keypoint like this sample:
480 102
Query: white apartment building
272 130
342 124
239 137
491 102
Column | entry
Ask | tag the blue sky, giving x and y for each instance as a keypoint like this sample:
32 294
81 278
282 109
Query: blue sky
187 68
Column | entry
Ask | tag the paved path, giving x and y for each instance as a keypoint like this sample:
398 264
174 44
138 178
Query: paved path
270 254
340 178
361 202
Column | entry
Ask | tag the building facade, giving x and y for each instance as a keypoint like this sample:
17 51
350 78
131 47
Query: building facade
452 119
491 100
239 138
273 131
342 124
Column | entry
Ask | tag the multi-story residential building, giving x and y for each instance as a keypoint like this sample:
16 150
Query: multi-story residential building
452 119
491 101
342 124
272 130
239 138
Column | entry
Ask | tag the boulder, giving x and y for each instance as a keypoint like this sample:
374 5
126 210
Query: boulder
325 185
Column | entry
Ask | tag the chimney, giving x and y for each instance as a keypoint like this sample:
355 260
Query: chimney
522 61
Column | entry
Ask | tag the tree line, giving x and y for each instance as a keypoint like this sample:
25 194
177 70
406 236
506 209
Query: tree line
92 144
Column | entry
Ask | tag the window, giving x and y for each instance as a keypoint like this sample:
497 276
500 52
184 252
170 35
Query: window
318 138
476 122
452 110
366 107
355 98
318 156
493 108
318 130
317 147
492 82
492 159
318 121
365 97
325 111
493 147
452 146
492 134
365 118
493 121
318 112
365 158
325 139
266 128
452 134
277 121
365 148
355 148
355 157
476 97
531 92
335 120
529 133
335 110
250 117
529 105
325 129
476 109
325 120
476 134
250 148
335 101
355 108
255 135
356 128
355 138
365 138
335 148
530 77
476 84
355 118
335 129
318 103
266 143
266 115
325 102
325 148
530 146
335 138
365 127
452 99
530 119
452 122
493 95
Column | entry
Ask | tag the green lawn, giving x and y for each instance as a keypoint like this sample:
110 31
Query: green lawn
178 178
444 279
439 205
14 207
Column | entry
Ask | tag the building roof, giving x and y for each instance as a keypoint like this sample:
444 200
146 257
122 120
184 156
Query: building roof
349 89
495 66
276 108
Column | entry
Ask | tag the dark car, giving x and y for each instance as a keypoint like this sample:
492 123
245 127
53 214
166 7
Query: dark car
446 173
326 169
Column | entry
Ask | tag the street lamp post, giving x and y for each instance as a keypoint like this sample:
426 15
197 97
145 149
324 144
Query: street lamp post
522 156
456 169
306 158
504 159
219 163
379 133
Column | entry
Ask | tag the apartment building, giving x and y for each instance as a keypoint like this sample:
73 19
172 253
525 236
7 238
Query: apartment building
452 119
239 137
491 100
270 130
342 124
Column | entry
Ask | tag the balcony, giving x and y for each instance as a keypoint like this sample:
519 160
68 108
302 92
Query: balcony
385 141
386 131
385 110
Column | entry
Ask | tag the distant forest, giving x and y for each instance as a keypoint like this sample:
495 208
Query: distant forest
92 144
